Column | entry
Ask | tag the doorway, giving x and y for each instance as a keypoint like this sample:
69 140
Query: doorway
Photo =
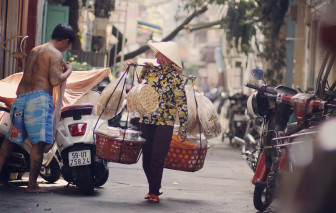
13 29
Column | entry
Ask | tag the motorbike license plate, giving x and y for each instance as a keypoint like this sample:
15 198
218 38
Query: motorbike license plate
79 158
238 117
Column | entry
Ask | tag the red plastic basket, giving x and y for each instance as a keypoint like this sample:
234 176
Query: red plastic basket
185 159
117 150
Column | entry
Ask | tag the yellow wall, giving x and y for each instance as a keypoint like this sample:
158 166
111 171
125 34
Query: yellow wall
299 49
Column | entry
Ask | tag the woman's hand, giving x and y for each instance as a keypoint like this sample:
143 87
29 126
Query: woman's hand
148 66
182 136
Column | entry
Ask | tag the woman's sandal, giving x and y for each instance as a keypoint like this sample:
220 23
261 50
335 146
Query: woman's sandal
148 195
154 199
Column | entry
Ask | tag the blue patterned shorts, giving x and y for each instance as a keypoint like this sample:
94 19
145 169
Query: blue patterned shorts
32 116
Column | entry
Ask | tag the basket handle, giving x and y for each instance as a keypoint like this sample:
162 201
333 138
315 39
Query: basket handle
123 140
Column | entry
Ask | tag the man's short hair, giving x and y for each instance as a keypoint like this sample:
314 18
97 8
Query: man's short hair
63 31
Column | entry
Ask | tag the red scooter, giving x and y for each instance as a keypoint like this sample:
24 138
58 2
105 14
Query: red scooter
275 105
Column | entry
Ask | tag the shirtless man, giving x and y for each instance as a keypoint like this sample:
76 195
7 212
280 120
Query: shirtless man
31 112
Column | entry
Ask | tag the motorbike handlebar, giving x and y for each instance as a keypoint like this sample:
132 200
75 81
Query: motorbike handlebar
252 86
261 89
330 106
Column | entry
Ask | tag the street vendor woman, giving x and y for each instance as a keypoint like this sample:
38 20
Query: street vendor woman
157 128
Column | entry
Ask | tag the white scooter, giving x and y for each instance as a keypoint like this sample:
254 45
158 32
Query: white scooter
19 161
76 145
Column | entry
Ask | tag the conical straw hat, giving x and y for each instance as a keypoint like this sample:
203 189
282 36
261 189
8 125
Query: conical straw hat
170 50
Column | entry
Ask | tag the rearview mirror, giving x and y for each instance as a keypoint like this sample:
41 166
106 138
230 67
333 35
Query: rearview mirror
223 94
258 74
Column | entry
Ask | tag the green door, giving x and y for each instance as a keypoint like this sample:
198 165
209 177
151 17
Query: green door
53 16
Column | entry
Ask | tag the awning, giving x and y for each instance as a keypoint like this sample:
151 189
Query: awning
149 26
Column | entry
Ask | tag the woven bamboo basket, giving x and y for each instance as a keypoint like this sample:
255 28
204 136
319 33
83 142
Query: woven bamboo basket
185 159
118 150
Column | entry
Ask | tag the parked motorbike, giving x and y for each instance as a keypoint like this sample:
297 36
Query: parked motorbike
222 100
251 141
275 105
275 117
124 120
237 121
76 145
213 94
19 160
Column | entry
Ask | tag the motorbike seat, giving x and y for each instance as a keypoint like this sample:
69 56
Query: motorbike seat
76 110
4 107
77 107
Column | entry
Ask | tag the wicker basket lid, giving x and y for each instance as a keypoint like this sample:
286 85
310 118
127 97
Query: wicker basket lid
142 99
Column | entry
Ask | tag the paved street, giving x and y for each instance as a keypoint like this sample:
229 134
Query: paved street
223 185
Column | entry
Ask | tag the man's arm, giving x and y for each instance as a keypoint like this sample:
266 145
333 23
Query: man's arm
59 71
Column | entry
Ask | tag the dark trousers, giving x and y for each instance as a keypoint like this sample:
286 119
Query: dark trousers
154 151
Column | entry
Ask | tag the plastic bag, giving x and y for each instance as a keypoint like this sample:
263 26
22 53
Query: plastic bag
191 104
208 117
108 131
198 139
115 104
193 139
192 120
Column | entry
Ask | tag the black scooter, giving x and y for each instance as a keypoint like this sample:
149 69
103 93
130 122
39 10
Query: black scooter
19 159
236 116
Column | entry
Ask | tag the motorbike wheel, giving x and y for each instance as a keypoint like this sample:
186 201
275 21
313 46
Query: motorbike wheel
262 199
85 181
102 180
52 172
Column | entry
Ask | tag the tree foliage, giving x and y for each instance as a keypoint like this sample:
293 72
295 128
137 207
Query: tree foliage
272 18
244 18
239 24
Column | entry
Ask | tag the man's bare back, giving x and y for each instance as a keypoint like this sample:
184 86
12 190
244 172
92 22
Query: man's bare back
44 69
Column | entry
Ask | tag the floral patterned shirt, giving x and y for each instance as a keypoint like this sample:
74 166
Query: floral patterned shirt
170 84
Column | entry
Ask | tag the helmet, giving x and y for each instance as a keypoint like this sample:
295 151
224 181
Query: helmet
252 106
257 106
